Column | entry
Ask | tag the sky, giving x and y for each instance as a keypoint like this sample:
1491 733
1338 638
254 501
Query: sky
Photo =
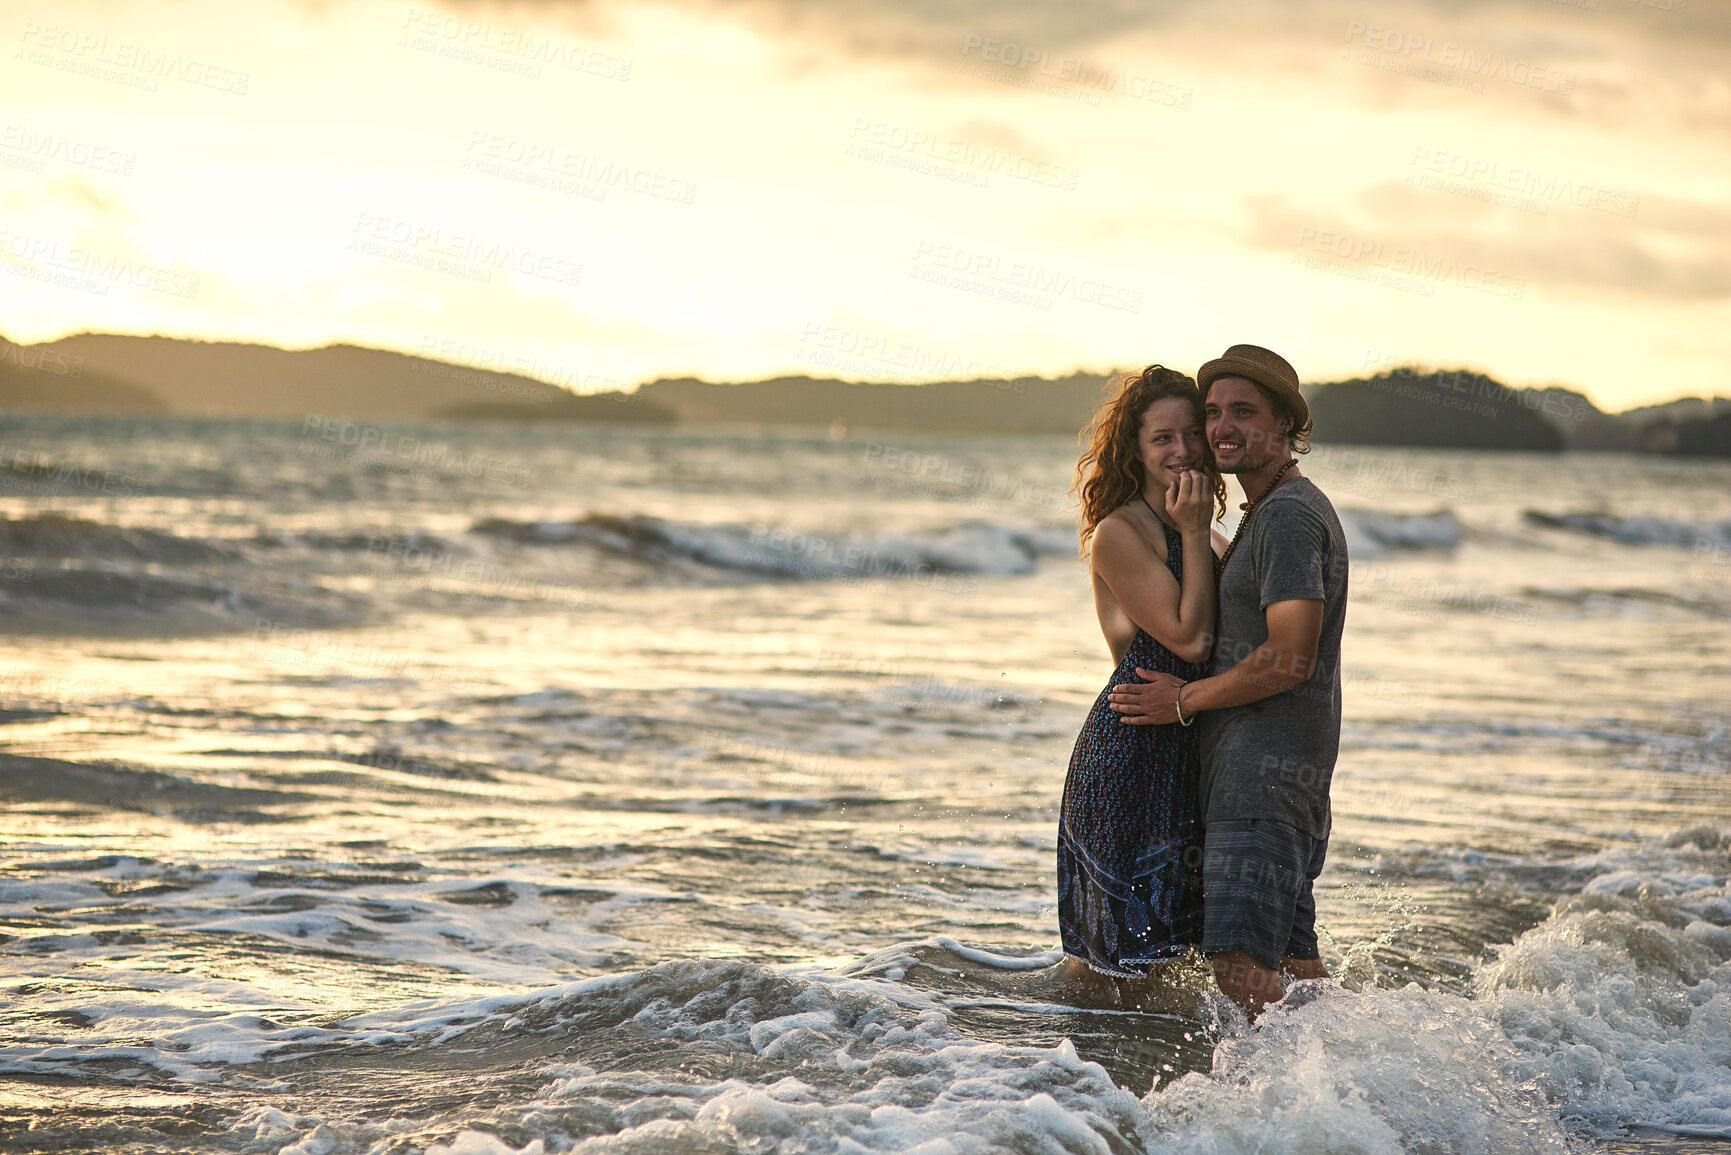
601 193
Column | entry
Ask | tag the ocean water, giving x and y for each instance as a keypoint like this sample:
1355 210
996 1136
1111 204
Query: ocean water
478 789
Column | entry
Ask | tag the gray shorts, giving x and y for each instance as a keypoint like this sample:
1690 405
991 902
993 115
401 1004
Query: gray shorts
1256 890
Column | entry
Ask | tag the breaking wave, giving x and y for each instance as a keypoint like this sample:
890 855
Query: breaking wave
1371 532
1614 1011
972 547
1639 530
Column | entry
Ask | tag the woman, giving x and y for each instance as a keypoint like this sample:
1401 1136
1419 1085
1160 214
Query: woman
1129 854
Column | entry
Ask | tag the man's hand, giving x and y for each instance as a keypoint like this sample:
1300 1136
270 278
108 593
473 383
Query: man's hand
1151 702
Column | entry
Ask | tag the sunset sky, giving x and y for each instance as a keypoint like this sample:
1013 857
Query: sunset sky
604 193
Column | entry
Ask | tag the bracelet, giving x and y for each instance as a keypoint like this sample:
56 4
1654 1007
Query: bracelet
1178 705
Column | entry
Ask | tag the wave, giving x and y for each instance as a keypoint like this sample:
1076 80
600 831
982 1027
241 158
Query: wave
1615 1011
86 561
61 574
1619 1004
1638 530
972 547
395 544
728 1054
99 784
1373 532
1630 602
91 598
56 536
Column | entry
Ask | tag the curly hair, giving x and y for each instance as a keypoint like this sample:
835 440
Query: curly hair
1110 472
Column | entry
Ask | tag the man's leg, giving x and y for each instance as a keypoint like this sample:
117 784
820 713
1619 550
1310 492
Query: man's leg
1302 958
1254 875
1246 981
1252 985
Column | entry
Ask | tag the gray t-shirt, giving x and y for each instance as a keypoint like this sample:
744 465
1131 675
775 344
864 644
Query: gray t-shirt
1274 759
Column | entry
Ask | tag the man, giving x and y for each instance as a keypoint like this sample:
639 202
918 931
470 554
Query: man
1270 711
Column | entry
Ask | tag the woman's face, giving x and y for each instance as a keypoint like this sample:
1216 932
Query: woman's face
1171 440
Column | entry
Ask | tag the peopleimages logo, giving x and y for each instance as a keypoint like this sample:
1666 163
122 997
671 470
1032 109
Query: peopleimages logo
495 154
511 50
122 62
1409 48
46 260
42 360
934 154
490 368
28 470
934 475
36 148
1436 387
1071 70
1431 168
850 562
1410 261
879 353
384 443
463 254
1037 283
1370 469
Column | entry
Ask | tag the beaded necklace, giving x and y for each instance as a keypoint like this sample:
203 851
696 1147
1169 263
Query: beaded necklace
1249 508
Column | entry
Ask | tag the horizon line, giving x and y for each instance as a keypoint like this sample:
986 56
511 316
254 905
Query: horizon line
1416 368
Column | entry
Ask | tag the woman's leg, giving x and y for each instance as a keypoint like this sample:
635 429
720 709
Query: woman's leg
1079 973
1174 987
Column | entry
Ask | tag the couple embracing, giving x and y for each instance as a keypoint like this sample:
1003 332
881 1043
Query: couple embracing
1196 814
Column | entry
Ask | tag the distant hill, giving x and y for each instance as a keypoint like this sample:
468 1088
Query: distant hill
1544 419
1021 405
1679 409
224 377
1706 436
628 407
98 372
1582 424
36 379
1453 409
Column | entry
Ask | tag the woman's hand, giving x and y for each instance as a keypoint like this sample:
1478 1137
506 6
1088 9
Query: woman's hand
1189 503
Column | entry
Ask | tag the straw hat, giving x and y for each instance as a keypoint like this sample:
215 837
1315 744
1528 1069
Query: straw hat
1265 367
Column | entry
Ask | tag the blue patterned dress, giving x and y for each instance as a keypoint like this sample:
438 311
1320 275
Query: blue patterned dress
1129 834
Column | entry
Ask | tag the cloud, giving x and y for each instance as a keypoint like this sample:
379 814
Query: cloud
1005 137
907 28
917 27
88 197
1626 62
1558 249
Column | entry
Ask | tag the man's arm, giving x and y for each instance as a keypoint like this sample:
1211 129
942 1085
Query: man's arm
1284 660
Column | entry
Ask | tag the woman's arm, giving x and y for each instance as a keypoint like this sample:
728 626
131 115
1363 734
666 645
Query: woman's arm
1181 618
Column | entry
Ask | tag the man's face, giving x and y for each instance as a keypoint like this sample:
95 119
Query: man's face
1242 427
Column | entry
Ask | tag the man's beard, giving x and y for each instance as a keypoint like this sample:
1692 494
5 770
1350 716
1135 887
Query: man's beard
1249 462
1246 464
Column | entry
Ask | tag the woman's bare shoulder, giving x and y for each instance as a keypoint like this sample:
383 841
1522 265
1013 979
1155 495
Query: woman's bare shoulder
1127 527
1120 519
